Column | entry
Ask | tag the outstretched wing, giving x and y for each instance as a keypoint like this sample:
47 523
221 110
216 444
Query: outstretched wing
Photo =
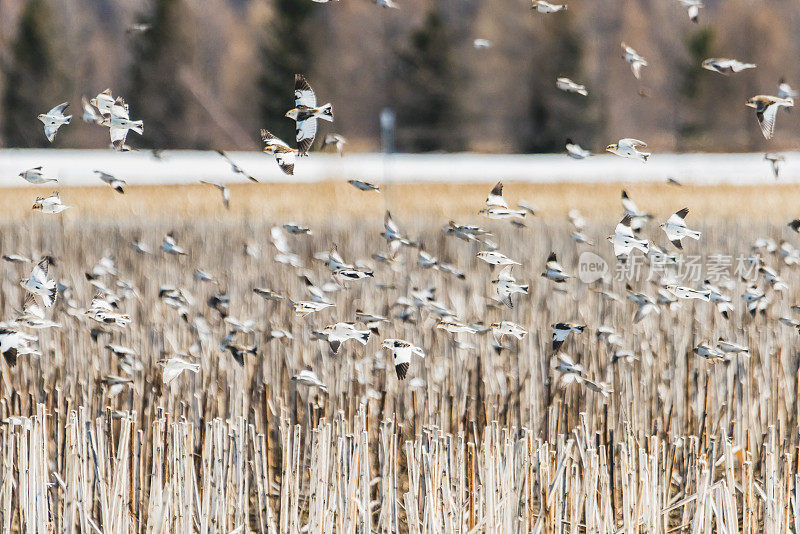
303 93
495 198
633 143
766 120
286 161
306 131
39 273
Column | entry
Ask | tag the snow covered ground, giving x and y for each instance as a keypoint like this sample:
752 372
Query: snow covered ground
74 167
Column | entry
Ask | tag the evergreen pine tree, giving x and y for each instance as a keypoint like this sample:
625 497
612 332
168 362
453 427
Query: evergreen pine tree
693 79
426 90
34 81
285 51
158 95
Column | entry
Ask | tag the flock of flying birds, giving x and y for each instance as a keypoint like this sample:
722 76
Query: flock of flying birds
104 310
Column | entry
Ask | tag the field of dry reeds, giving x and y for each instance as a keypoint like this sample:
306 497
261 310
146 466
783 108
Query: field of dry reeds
476 439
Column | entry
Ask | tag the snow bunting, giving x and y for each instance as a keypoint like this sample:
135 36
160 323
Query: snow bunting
507 286
115 183
387 4
340 332
565 84
284 154
306 307
102 311
554 271
636 61
767 110
336 141
455 327
562 330
39 284
14 344
775 161
401 353
170 246
117 118
730 347
481 44
785 90
35 176
238 352
54 119
497 207
543 6
676 230
268 294
16 258
646 304
308 377
693 7
363 186
174 366
235 167
495 258
624 241
90 113
710 353
507 328
629 148
689 293
32 315
305 113
725 66
51 204
638 217
224 190
575 151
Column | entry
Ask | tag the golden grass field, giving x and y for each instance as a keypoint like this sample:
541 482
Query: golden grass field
476 439
317 202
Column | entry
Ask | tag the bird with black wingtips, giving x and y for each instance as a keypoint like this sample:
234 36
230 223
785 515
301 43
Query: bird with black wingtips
634 59
629 148
115 183
340 332
554 271
624 241
305 113
767 111
725 65
402 351
54 119
284 154
561 332
36 176
575 151
506 286
676 229
235 168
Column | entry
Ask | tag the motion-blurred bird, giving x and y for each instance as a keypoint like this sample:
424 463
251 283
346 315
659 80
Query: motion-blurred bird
336 141
39 284
338 333
364 186
542 6
54 119
51 204
506 286
284 154
308 377
170 246
629 148
565 84
174 366
36 176
767 110
554 271
562 330
775 161
235 168
224 190
693 7
725 65
636 61
115 183
481 44
575 151
785 90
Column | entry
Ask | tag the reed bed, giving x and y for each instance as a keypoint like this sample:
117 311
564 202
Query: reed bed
472 441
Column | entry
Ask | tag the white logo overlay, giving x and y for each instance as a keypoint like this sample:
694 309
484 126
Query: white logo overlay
591 267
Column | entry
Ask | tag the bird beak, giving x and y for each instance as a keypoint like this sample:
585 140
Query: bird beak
609 147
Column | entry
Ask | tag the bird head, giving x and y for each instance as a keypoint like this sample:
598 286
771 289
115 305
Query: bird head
611 147
609 238
292 114
751 102
41 116
38 204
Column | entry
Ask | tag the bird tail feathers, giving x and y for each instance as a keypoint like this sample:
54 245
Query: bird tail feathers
138 127
326 112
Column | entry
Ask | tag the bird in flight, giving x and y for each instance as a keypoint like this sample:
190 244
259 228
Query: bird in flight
676 229
305 114
634 59
767 111
629 148
284 154
54 119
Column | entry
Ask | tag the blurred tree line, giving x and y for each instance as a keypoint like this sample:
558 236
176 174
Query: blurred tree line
210 74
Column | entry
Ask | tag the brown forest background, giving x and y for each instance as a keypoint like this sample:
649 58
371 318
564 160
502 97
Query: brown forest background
210 73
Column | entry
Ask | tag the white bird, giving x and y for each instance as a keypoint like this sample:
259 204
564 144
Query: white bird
117 118
629 148
35 176
386 4
14 344
54 119
638 217
646 304
689 293
235 168
305 113
497 207
575 151
340 332
364 186
731 347
115 183
336 141
562 330
493 257
507 286
170 246
90 113
306 307
693 7
51 204
223 189
775 161
543 6
624 241
454 326
32 315
710 353
284 154
767 111
481 44
174 366
676 229
401 353
39 284
565 84
725 65
636 61
507 328
554 271
391 233
309 378
785 90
